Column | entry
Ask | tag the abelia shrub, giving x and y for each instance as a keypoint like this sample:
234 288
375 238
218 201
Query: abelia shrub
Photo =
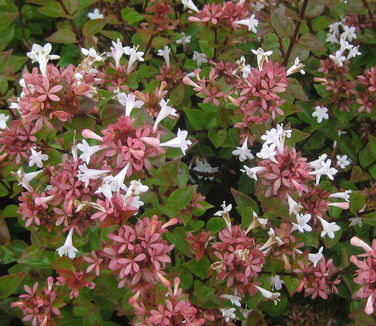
187 163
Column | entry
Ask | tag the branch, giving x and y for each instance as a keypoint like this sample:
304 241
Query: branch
295 34
74 26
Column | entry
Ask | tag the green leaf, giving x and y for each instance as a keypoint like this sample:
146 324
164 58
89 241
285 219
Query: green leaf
243 201
358 174
215 224
281 22
276 310
329 243
9 284
357 201
295 89
206 48
159 42
10 211
131 16
204 296
367 156
172 173
112 35
291 284
92 27
52 9
178 238
217 137
4 190
62 36
296 136
196 118
314 9
147 71
310 42
178 200
199 268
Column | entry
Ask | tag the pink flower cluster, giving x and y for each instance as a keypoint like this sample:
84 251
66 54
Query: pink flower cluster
240 260
176 309
366 273
317 281
288 174
39 306
125 143
222 15
139 254
46 98
259 97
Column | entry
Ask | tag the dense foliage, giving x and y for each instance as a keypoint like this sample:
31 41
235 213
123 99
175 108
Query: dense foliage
172 162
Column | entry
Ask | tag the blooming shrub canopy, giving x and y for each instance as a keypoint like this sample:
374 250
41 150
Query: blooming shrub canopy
187 163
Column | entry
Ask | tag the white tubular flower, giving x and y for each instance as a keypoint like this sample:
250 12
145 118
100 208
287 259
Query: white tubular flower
42 56
136 203
268 152
95 14
87 150
85 174
252 172
256 222
92 55
302 223
184 40
276 282
165 53
328 228
294 207
315 258
343 195
322 168
225 214
320 113
130 102
188 4
243 152
67 249
134 56
25 178
164 113
356 221
338 58
113 183
353 52
319 162
179 142
250 22
277 137
296 67
348 33
226 209
205 167
235 300
344 45
269 295
136 188
3 120
262 57
273 239
228 314
116 52
343 161
200 58
37 158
